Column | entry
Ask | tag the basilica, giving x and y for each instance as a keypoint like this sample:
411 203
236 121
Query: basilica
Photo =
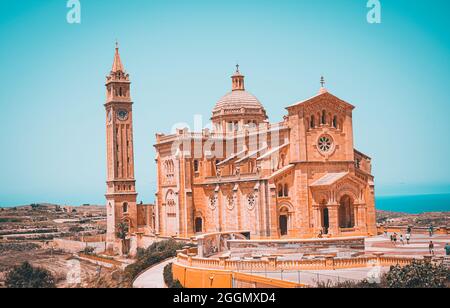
298 178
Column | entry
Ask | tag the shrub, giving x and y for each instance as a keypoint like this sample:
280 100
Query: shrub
154 254
88 250
27 276
168 278
76 229
419 274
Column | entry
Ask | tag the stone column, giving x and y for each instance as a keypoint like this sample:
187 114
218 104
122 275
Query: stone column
362 218
333 219
317 218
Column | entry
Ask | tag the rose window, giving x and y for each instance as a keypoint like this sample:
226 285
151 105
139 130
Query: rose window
325 143
231 202
251 201
213 202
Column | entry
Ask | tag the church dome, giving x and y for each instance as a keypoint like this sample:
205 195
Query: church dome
239 102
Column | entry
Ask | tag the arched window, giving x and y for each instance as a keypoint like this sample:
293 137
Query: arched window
313 122
280 190
196 166
198 225
335 122
324 117
286 190
125 207
120 91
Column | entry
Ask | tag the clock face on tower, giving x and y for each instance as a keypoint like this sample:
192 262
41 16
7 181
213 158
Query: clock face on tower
122 115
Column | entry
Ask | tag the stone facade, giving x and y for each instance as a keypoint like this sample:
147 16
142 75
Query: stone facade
299 178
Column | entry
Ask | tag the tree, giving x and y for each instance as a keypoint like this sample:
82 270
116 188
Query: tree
26 276
122 234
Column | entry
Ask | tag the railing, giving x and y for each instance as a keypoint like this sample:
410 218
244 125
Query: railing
272 264
219 135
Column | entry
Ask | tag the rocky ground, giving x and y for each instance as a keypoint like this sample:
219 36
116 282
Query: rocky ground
438 219
26 231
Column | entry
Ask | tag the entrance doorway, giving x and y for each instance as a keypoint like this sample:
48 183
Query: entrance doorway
283 225
325 220
198 225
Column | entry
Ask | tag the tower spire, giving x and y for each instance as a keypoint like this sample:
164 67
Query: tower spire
117 65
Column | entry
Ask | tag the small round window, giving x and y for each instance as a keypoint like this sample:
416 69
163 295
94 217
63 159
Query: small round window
325 143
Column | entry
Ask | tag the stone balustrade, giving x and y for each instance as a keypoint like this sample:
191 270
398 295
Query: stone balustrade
273 264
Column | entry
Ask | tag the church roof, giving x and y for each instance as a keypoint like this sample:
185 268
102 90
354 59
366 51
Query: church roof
237 100
329 179
325 94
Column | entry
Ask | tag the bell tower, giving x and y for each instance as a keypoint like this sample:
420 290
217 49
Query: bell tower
121 185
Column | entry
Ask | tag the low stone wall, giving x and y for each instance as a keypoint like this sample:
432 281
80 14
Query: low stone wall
191 277
416 230
336 246
212 243
101 261
273 264
77 246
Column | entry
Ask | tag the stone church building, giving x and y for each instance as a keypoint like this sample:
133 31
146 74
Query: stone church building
299 178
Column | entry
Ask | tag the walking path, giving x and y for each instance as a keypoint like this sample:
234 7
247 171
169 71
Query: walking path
153 277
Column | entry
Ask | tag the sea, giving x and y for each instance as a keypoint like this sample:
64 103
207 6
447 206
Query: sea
414 204
411 204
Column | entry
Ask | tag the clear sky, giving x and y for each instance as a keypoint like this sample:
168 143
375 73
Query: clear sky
180 55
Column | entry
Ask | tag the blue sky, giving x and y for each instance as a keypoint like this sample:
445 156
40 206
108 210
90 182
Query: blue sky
180 55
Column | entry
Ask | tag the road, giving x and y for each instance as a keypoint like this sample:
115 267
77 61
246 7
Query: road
153 277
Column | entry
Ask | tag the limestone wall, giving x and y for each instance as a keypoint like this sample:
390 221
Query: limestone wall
340 246
77 246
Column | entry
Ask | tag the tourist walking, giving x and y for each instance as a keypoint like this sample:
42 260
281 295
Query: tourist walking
431 248
431 230
395 239
402 240
408 238
447 249
409 230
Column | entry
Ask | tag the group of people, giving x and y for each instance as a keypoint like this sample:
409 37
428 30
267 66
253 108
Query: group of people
395 237
399 238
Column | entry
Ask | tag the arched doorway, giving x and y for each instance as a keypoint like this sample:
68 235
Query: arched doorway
283 225
346 213
198 225
325 220
284 221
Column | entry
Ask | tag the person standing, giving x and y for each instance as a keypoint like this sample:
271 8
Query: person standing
408 238
395 239
431 248
447 249
402 240
431 230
